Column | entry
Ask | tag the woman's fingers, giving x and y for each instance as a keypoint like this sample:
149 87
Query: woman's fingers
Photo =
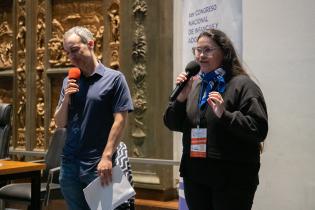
181 77
216 102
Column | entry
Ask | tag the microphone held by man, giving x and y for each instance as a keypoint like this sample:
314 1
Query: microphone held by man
73 76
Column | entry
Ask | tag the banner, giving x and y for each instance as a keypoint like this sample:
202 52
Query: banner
201 15
182 205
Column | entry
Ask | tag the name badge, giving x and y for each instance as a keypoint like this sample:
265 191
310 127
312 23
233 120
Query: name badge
198 145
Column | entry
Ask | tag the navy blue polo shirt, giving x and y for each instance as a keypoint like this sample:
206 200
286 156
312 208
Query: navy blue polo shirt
90 115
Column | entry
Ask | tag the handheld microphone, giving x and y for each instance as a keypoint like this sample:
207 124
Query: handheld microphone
191 69
74 73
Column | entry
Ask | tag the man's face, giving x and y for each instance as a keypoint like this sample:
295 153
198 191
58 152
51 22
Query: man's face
78 52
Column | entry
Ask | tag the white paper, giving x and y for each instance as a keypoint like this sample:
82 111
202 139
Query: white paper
108 197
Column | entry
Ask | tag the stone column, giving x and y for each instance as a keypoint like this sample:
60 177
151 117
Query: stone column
146 51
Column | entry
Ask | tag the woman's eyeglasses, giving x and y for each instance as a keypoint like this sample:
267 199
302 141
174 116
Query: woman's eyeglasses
205 51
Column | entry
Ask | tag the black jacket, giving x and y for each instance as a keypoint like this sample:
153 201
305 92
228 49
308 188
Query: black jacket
236 136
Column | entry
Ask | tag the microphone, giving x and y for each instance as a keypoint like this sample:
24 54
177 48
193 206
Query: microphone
191 69
73 73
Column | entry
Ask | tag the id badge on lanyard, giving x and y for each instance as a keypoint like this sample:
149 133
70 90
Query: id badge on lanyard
198 147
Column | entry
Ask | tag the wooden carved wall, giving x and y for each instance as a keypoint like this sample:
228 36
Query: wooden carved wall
134 36
20 73
6 52
33 63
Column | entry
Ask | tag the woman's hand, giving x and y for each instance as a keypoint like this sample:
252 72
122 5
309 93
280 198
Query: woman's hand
182 77
216 102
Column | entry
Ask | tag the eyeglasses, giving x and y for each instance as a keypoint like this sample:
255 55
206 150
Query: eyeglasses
205 51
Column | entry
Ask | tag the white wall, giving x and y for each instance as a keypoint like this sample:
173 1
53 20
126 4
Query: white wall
279 49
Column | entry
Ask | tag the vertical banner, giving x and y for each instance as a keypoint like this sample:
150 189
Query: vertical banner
201 15
182 205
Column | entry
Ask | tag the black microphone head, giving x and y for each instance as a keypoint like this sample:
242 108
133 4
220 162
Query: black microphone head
192 68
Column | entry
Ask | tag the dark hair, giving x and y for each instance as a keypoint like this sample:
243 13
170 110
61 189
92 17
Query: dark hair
231 63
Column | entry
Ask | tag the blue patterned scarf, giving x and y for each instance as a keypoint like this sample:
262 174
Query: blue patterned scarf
211 81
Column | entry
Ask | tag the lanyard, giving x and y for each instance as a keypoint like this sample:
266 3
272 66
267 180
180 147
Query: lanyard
201 111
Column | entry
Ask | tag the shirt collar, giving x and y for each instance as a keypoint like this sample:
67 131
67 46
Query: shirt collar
99 69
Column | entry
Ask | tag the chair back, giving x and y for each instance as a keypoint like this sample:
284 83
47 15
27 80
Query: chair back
122 160
5 129
57 140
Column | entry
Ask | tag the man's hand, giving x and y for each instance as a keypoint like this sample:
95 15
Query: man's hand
73 87
104 169
61 113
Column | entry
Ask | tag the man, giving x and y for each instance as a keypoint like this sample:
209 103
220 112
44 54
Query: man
94 109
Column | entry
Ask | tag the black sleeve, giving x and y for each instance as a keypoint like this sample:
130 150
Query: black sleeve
175 115
250 120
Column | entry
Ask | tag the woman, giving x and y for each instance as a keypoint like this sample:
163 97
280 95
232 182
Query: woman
223 117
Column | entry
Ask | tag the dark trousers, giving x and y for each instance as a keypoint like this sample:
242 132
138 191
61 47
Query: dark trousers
202 197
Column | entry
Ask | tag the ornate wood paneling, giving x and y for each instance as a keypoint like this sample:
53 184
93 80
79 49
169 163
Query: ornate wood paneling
6 51
40 77
6 37
20 78
133 36
33 62
66 14
114 38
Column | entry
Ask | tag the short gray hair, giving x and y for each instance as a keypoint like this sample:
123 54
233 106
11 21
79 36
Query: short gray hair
84 33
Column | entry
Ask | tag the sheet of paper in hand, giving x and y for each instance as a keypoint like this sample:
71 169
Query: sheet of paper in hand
111 196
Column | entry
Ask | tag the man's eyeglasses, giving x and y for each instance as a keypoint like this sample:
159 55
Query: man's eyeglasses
205 51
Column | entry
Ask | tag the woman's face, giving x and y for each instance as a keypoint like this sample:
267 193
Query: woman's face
208 54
